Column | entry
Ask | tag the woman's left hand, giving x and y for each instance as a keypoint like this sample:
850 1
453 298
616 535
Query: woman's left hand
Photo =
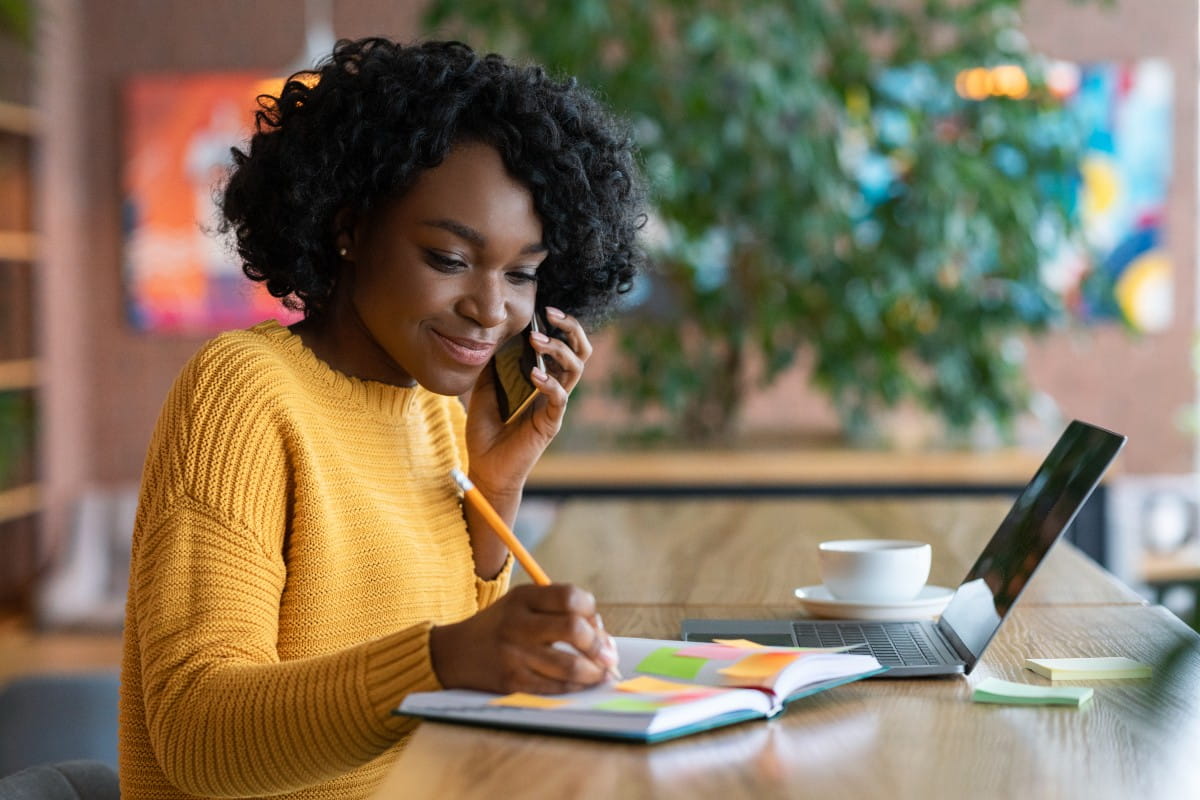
502 455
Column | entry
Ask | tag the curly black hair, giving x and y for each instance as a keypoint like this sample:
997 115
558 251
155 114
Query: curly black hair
355 132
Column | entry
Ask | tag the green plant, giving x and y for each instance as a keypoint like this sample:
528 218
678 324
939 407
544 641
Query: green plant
16 433
819 184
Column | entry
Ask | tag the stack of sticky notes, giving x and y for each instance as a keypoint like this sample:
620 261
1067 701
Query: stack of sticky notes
1082 669
994 690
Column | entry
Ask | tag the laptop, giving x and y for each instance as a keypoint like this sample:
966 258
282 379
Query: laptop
956 641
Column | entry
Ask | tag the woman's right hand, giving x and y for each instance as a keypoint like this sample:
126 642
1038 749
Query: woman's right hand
510 646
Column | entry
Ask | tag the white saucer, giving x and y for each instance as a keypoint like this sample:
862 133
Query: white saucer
929 602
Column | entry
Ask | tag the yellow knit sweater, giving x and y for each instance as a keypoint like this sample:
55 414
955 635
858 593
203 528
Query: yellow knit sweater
297 537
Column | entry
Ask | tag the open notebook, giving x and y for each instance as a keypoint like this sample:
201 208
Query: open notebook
670 689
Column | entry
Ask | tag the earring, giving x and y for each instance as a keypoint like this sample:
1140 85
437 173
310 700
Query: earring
343 252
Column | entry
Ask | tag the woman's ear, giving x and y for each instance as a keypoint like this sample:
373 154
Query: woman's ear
343 239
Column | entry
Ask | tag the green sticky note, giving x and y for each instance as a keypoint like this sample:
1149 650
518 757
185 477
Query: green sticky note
663 661
634 704
994 690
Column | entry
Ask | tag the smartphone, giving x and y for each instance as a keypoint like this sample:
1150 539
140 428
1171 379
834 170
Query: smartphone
512 364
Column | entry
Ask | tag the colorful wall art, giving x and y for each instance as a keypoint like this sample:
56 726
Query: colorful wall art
1125 112
181 276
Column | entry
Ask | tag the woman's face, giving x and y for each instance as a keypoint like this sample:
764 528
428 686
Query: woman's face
448 272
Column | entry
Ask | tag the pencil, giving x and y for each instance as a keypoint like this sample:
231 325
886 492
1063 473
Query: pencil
526 559
481 504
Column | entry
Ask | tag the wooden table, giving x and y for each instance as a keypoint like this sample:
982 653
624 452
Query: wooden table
785 470
653 563
25 652
756 551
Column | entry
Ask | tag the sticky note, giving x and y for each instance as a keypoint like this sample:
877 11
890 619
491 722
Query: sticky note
994 690
1079 669
523 700
687 697
634 704
759 665
742 644
645 684
720 652
663 661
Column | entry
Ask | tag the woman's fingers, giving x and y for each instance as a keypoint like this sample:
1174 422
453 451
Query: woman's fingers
573 331
564 617
569 353
565 666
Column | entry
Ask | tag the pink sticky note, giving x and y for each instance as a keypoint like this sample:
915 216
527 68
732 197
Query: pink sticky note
687 697
744 644
720 652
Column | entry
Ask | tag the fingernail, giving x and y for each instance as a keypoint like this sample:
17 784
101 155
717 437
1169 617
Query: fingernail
599 622
554 313
609 657
538 336
538 374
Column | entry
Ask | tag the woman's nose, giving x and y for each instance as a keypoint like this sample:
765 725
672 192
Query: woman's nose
486 302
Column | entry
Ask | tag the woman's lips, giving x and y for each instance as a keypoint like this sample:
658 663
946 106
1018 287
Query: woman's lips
470 352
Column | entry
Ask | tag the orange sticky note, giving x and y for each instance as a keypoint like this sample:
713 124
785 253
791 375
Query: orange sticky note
644 684
759 665
741 644
524 700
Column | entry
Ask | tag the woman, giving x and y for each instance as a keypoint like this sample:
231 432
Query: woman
301 559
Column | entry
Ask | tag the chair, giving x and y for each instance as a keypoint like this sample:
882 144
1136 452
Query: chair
68 780
52 718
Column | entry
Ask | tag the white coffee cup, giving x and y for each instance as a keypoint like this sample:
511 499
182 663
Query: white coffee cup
874 570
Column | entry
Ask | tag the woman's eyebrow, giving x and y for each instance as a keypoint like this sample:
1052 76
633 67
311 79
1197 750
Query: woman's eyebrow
475 237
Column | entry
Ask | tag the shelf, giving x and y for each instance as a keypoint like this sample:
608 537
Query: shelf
18 374
18 502
1182 566
795 469
18 246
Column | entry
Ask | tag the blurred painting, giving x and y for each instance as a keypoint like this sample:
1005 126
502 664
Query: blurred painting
1125 112
182 277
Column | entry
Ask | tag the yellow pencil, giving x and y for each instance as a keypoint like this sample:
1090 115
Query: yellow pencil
481 504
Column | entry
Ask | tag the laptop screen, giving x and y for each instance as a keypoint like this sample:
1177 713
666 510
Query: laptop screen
1040 514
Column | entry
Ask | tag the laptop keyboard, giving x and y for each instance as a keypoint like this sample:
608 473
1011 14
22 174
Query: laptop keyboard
892 643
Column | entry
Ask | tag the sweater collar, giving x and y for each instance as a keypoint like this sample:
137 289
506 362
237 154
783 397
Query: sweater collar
393 401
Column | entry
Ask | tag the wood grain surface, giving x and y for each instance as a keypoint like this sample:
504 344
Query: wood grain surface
913 738
757 551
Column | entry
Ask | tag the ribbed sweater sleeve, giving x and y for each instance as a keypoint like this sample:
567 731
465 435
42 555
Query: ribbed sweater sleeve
297 538
488 592
226 717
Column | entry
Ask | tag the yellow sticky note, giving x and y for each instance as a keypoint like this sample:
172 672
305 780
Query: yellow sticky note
759 665
743 644
1079 669
646 684
523 700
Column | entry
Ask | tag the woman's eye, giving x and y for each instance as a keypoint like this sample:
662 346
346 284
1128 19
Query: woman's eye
444 262
523 276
